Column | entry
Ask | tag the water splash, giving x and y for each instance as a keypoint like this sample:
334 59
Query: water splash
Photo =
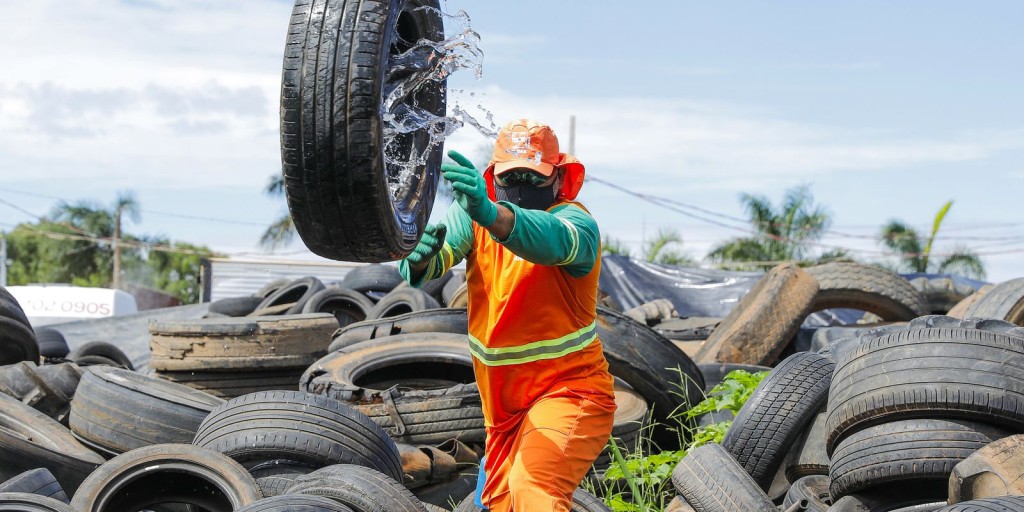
423 67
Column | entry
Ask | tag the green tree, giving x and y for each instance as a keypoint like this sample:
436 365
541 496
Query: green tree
281 231
786 233
75 245
615 247
658 249
178 271
915 254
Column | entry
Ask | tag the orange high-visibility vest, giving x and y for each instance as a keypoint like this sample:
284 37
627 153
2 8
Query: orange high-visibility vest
532 329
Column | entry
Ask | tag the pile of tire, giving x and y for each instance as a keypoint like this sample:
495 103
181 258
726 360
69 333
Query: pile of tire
926 415
229 357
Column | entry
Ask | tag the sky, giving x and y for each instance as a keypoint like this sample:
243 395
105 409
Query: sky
885 110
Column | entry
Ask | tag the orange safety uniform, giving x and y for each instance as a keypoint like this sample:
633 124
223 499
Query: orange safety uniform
547 396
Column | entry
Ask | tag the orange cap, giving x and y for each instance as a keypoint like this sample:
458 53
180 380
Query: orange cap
526 143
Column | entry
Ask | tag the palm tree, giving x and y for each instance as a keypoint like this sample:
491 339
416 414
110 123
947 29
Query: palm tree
784 234
88 257
914 256
657 251
280 232
125 204
615 247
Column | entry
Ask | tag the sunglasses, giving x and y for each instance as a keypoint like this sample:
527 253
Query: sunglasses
521 176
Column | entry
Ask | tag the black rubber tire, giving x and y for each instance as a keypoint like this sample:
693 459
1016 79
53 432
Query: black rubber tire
808 456
51 343
17 338
812 488
448 292
26 502
277 343
401 301
10 308
995 470
1004 302
295 503
1000 504
913 454
436 398
301 427
666 377
867 288
443 320
233 384
712 481
361 488
120 410
296 292
167 473
764 321
936 367
714 373
631 413
687 329
435 287
17 342
346 304
235 306
271 287
826 336
373 278
39 481
775 415
275 476
942 292
100 353
460 297
47 389
582 501
275 485
337 72
30 440
887 500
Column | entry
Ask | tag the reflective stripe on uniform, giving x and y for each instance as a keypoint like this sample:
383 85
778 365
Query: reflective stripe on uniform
535 351
574 236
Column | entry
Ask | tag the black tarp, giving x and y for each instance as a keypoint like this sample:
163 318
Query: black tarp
700 292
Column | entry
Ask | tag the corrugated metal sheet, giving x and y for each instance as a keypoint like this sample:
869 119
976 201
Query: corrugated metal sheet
235 278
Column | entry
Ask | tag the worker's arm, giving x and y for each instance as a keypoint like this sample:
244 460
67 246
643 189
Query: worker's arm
458 241
566 236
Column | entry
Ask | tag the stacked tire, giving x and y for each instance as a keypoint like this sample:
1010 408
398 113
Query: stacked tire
17 338
907 405
229 357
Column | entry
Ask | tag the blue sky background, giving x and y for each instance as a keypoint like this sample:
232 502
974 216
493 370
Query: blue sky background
885 109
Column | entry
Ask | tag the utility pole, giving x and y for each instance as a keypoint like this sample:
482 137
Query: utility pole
572 135
3 258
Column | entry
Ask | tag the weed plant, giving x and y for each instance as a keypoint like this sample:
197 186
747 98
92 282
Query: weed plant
640 477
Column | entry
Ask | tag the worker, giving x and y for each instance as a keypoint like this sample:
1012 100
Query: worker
532 267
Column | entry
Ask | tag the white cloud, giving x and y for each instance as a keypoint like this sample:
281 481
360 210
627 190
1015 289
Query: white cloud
184 93
717 143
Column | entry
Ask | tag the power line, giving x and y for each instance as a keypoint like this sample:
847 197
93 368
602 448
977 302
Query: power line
660 201
670 204
148 212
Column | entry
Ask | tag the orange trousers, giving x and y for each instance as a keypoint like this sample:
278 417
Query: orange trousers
537 465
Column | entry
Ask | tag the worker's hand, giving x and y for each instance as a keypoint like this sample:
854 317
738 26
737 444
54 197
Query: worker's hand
428 246
470 189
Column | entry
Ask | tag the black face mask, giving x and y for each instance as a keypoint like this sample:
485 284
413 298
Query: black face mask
526 196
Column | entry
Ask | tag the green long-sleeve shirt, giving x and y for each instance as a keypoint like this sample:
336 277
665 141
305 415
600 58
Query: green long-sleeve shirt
566 236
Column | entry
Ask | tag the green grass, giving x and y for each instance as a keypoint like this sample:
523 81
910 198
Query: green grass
640 477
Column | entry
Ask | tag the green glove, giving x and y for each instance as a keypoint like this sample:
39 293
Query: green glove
470 189
428 246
